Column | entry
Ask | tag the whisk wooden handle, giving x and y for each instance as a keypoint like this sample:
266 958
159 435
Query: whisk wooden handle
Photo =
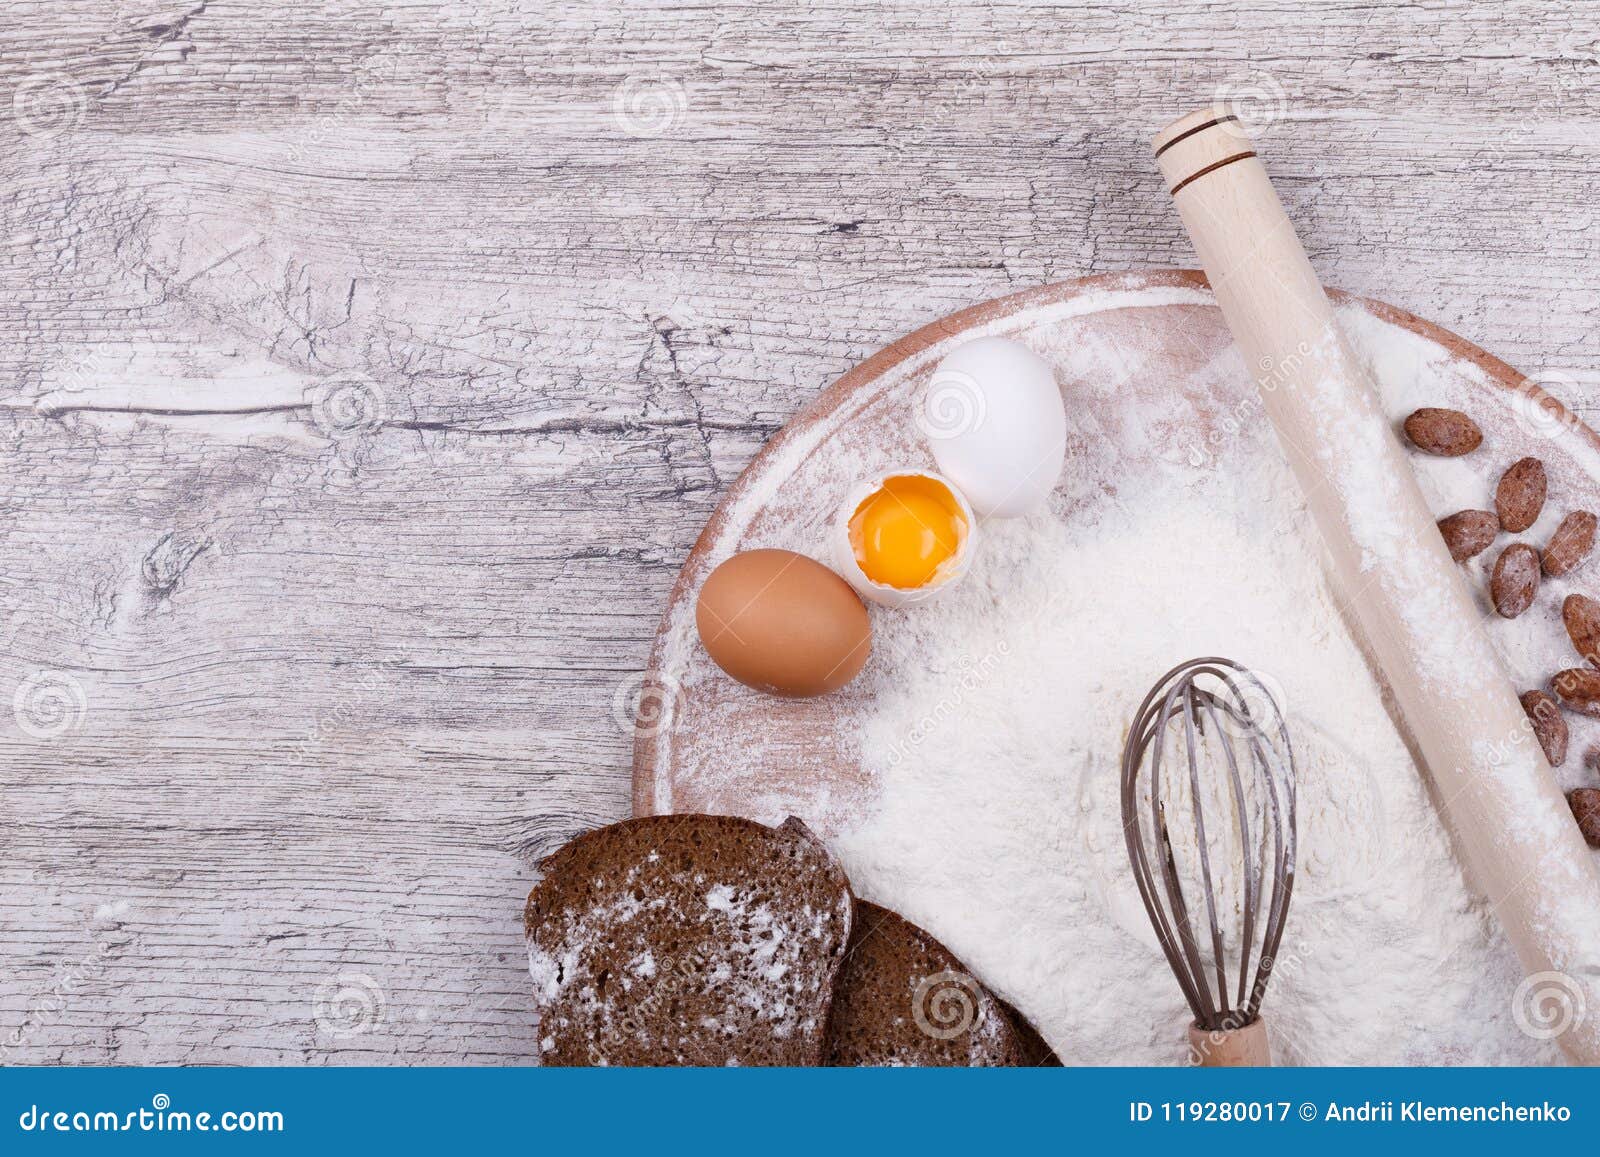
1393 572
1230 1048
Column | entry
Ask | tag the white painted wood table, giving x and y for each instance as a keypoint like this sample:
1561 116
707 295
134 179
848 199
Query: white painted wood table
368 370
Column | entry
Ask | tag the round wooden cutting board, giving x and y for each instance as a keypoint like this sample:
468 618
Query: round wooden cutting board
707 744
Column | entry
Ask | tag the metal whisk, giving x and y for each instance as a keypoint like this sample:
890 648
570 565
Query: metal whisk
1208 809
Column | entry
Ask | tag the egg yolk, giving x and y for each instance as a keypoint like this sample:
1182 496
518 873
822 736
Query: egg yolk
906 530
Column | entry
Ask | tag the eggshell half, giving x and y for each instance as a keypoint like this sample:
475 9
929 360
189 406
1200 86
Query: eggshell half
994 420
781 622
844 555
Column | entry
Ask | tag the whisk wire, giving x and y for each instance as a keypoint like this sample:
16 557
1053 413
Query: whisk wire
1139 741
1259 782
1182 918
1191 717
1251 869
1187 944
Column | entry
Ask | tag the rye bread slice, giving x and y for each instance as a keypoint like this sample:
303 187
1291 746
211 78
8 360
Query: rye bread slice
905 999
687 940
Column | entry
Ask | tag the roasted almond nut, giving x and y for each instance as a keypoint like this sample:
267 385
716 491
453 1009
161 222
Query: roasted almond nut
1469 532
1585 805
1570 544
1581 614
1548 725
1515 580
1520 495
1579 690
1447 433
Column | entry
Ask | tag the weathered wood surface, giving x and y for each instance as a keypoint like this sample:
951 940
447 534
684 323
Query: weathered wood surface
368 370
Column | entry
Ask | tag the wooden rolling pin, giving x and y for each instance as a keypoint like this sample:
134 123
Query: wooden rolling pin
1394 576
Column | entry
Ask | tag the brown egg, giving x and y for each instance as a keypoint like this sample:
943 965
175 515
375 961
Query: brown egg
783 623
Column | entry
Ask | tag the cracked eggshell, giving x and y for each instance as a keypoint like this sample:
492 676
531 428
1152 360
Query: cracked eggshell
843 554
994 419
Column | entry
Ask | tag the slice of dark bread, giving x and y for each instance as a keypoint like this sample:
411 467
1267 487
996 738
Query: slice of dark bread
687 940
1036 1051
904 999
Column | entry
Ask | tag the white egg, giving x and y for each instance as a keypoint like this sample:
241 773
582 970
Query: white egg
916 501
994 419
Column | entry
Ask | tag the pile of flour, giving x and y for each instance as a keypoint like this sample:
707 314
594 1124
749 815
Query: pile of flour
997 738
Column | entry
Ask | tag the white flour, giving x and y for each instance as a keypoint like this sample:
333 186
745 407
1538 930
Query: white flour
997 735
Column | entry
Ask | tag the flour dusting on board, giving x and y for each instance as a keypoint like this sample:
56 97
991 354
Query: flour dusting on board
991 720
998 738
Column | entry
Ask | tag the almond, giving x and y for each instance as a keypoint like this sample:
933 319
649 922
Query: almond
1548 725
1579 690
1469 532
1515 580
1520 495
1447 433
1570 544
1581 614
1585 805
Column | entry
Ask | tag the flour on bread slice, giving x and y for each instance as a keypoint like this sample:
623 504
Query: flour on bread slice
687 940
